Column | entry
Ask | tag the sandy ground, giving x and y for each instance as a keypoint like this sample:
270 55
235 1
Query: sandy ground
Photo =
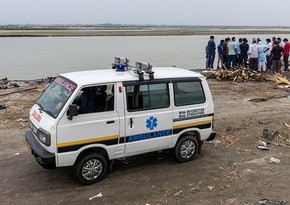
234 171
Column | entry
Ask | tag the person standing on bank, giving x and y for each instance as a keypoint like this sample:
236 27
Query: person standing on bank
238 49
220 54
262 49
276 53
225 47
268 54
286 53
244 52
232 54
253 54
211 52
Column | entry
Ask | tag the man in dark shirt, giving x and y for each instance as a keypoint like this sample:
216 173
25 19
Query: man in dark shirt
276 54
244 52
225 47
211 52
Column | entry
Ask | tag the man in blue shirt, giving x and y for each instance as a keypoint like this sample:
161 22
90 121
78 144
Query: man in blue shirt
210 52
221 53
238 49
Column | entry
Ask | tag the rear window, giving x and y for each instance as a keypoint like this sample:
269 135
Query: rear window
188 93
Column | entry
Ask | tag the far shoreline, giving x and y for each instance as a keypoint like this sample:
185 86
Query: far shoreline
141 32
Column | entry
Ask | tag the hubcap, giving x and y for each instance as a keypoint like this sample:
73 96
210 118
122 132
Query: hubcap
92 169
187 149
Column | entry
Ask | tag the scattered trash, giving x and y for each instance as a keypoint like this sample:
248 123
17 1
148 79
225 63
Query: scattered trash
274 160
271 202
262 147
283 86
210 188
286 125
262 143
2 107
248 170
269 135
215 142
178 193
97 196
21 120
16 154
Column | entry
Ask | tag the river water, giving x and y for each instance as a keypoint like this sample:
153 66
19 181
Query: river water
38 57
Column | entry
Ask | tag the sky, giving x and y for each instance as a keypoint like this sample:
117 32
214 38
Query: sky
156 12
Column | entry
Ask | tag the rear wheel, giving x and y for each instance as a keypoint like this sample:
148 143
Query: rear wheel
91 168
186 148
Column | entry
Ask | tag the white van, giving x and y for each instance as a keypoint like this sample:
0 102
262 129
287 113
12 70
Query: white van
87 119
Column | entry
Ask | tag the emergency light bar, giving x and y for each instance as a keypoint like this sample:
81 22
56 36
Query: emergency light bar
123 60
121 64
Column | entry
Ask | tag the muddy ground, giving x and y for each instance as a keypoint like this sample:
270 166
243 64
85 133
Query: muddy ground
234 171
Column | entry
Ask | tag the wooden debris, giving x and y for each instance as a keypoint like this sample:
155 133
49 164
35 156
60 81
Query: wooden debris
245 74
261 99
18 90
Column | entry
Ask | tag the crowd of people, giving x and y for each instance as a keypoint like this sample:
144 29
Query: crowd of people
257 55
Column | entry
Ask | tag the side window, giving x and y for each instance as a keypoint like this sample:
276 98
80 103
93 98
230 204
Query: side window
147 97
95 99
188 93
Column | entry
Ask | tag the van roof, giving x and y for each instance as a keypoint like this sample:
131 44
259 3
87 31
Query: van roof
111 75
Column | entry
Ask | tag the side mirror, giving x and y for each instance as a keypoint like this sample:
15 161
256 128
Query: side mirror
72 111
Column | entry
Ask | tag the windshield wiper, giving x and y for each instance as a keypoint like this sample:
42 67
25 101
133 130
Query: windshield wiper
41 109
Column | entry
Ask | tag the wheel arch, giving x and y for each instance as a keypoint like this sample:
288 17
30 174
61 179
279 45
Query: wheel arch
91 150
193 133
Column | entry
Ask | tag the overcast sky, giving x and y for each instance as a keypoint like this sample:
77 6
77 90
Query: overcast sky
171 12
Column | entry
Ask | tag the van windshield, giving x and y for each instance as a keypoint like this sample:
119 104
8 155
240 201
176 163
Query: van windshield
55 96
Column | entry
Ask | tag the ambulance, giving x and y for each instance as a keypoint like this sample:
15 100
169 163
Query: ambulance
87 119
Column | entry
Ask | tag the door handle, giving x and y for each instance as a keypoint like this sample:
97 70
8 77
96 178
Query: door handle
131 122
111 122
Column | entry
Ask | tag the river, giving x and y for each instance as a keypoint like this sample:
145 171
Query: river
38 57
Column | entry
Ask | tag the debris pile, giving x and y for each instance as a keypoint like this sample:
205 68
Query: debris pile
13 86
245 74
280 138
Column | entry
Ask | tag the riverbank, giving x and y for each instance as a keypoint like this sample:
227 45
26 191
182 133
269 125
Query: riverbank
141 32
232 170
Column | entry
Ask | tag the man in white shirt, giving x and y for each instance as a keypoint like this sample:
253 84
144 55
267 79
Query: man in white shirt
268 54
253 55
232 54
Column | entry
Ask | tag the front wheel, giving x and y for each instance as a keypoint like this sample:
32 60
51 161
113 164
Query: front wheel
91 169
186 148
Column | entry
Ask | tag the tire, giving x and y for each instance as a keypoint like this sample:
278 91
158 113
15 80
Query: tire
91 169
186 148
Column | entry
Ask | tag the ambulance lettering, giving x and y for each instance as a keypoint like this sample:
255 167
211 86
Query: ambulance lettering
36 116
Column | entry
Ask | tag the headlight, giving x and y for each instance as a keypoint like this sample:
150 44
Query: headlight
44 137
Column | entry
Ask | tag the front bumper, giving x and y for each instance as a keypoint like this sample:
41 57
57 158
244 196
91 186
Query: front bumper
42 156
212 136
